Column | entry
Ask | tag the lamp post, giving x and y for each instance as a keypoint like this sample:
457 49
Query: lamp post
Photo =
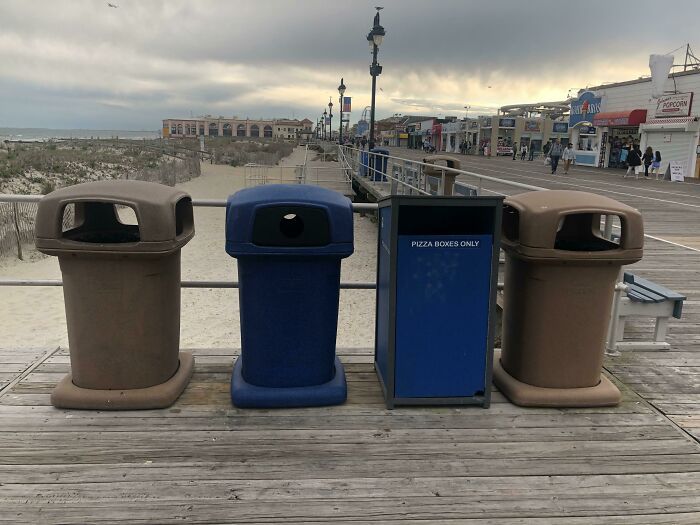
325 115
341 90
374 38
330 119
466 108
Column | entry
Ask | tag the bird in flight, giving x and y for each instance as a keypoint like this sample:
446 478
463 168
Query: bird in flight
112 5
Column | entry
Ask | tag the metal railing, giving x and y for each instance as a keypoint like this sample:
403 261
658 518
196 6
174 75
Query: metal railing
208 203
399 176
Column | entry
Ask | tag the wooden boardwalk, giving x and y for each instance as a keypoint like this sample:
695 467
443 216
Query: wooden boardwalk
203 461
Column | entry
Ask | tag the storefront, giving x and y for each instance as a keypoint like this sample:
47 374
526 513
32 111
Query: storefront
485 131
532 134
472 135
676 139
620 132
452 136
584 136
506 136
436 136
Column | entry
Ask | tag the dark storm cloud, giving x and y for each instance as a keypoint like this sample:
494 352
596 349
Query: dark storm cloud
256 58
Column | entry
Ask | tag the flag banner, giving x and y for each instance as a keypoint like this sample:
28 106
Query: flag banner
347 104
328 120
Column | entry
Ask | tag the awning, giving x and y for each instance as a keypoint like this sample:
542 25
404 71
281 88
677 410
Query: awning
632 117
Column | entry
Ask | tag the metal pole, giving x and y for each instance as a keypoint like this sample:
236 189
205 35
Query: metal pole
340 132
373 71
330 121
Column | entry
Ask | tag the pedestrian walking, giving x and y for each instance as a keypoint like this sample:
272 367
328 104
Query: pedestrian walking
568 156
634 159
532 153
647 158
555 154
523 151
515 150
656 165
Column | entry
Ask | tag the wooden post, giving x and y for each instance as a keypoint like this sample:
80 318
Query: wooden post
19 239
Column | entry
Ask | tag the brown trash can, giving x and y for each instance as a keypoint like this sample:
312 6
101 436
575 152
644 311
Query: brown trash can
434 170
121 287
560 276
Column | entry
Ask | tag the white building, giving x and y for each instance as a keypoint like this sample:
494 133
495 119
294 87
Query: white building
606 118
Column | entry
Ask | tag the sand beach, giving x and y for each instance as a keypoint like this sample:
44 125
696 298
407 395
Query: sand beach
35 316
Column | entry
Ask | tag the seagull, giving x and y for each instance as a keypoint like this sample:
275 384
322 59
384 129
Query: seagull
112 5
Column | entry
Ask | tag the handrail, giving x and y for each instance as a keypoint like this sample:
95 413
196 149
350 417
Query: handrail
455 170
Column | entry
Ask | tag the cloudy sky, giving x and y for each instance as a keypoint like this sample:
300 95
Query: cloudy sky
83 64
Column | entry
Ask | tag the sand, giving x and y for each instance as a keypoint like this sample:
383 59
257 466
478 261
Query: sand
35 316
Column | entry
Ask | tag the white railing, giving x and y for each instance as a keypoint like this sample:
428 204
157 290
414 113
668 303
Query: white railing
260 174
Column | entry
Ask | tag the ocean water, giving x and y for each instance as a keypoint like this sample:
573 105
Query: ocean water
44 134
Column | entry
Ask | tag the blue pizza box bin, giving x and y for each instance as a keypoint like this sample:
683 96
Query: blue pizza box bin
379 164
289 241
437 268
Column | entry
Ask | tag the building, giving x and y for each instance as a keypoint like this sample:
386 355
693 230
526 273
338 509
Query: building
606 119
281 129
531 125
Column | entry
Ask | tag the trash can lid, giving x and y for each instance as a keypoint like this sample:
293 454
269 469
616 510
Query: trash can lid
163 214
289 219
450 162
381 151
554 222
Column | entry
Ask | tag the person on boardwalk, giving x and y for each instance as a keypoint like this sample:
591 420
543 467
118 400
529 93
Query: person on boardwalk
647 158
656 165
568 156
555 154
531 156
523 151
634 159
363 142
515 150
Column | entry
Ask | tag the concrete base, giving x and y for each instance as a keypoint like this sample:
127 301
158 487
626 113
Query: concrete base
602 395
245 395
67 395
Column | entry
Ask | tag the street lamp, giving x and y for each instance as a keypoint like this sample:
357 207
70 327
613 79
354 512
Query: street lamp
330 119
325 115
374 38
341 90
467 110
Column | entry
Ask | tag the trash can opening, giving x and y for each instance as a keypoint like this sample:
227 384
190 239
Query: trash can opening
511 223
300 226
291 225
580 232
99 222
184 217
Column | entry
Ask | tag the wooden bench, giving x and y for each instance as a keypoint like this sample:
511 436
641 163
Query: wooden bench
638 297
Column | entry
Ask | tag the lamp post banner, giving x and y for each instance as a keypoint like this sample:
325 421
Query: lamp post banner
347 104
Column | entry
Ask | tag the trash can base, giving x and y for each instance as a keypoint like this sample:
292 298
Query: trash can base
603 394
67 395
245 395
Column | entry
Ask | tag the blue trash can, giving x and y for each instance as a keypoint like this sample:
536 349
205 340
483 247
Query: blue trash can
364 163
289 241
378 164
